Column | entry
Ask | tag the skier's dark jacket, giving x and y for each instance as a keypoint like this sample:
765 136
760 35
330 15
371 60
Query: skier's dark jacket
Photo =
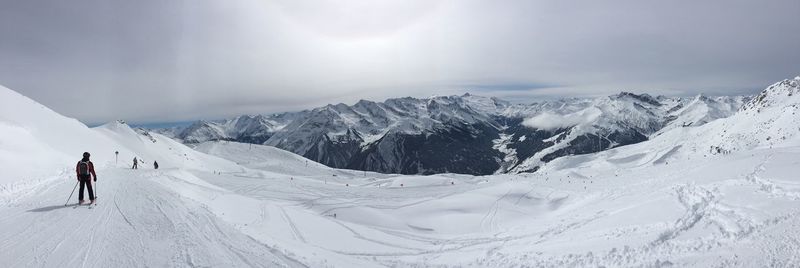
91 169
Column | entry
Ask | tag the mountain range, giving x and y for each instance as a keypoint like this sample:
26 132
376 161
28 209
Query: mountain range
465 134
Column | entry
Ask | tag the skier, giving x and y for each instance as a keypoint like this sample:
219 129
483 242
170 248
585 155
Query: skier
135 163
85 171
155 164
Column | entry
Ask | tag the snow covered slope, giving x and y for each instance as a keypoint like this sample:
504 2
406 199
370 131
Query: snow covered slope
701 110
723 194
143 219
36 143
263 158
149 147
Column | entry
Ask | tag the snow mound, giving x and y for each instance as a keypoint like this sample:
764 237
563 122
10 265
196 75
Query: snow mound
263 157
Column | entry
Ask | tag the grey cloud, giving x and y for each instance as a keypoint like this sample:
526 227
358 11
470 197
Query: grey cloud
157 61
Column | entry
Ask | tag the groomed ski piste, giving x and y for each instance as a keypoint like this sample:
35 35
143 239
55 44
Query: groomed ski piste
725 194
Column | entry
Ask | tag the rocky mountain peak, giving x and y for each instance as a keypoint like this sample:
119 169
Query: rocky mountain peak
786 91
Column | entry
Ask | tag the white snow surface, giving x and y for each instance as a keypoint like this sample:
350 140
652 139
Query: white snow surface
723 194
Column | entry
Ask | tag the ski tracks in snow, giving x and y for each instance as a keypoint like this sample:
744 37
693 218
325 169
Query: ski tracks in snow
295 232
139 223
487 222
768 186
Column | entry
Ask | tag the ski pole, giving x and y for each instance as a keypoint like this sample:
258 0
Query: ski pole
70 194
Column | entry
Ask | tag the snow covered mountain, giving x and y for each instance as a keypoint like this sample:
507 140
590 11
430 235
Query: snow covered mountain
721 194
246 128
769 120
464 134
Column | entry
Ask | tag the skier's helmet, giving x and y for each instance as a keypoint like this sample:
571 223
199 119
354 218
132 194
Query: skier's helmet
86 155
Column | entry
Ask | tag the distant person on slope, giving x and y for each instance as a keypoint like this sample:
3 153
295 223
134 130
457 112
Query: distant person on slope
85 171
135 164
155 164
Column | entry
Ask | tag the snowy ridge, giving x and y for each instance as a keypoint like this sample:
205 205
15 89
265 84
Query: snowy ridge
702 109
150 147
781 94
28 139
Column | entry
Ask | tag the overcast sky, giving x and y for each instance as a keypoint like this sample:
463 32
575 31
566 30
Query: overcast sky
150 61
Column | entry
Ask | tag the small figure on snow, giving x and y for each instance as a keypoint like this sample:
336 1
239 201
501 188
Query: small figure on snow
155 164
85 171
135 163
